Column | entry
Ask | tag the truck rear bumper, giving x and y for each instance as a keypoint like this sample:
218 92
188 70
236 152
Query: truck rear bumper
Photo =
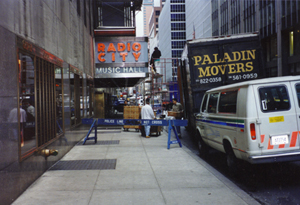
284 157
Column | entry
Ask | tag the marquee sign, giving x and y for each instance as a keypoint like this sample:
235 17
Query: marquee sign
121 50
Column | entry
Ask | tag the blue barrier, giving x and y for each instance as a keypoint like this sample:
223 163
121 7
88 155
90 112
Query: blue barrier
94 125
109 122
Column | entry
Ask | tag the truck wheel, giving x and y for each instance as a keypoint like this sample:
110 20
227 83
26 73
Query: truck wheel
202 147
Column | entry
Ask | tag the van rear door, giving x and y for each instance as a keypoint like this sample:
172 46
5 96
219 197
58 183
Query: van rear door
295 85
277 119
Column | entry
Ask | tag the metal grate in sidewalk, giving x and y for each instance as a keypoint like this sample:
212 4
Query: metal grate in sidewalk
100 164
101 142
108 131
106 142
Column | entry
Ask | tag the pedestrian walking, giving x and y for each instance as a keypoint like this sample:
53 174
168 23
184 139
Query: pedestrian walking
147 114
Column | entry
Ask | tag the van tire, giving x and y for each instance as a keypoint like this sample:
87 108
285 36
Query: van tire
232 161
202 147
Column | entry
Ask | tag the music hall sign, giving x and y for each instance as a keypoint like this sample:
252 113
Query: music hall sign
126 55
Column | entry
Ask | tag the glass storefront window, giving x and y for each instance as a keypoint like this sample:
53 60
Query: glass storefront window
291 45
82 97
59 101
72 99
75 96
26 114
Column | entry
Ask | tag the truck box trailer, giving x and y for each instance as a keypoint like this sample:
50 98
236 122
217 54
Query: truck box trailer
215 61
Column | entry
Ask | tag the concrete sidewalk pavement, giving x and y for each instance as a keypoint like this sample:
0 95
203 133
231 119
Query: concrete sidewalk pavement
125 168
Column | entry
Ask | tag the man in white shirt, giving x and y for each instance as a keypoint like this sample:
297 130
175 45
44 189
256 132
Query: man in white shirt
147 114
13 118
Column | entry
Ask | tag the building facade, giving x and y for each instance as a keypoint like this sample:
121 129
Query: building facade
172 20
198 19
278 23
47 70
147 12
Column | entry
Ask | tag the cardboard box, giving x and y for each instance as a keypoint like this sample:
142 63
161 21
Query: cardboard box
175 114
131 112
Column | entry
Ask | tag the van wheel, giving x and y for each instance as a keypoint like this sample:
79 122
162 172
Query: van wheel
232 161
202 147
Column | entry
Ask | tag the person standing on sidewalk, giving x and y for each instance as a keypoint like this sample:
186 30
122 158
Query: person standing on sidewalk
147 114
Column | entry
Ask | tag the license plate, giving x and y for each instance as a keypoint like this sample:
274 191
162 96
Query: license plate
280 139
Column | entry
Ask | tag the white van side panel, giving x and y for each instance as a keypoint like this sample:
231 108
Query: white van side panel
219 132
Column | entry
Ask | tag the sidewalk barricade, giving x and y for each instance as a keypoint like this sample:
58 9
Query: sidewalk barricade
110 122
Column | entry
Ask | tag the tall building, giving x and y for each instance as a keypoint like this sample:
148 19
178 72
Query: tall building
172 34
278 23
198 19
147 9
47 67
154 26
47 71
153 22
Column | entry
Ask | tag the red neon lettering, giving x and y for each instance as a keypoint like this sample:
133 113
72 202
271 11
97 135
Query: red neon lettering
123 56
111 48
113 57
136 56
101 47
128 47
136 47
121 47
99 57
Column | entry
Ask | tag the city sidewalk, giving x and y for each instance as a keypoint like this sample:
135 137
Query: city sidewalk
126 168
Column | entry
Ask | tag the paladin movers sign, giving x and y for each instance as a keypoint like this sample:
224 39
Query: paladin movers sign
217 62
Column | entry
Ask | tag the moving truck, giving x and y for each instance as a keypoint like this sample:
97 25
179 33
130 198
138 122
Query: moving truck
215 61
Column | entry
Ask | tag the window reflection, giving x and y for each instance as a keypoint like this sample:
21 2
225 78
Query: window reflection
72 99
27 113
59 101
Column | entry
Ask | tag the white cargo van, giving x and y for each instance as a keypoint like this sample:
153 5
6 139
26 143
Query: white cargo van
257 121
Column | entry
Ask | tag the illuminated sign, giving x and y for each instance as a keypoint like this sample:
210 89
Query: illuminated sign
121 70
121 51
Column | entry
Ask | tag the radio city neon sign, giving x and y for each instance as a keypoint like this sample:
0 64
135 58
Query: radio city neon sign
118 52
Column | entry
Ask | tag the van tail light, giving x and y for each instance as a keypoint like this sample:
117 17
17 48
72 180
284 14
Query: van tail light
252 131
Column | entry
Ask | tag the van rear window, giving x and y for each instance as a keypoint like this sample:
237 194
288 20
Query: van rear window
274 98
298 93
227 102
